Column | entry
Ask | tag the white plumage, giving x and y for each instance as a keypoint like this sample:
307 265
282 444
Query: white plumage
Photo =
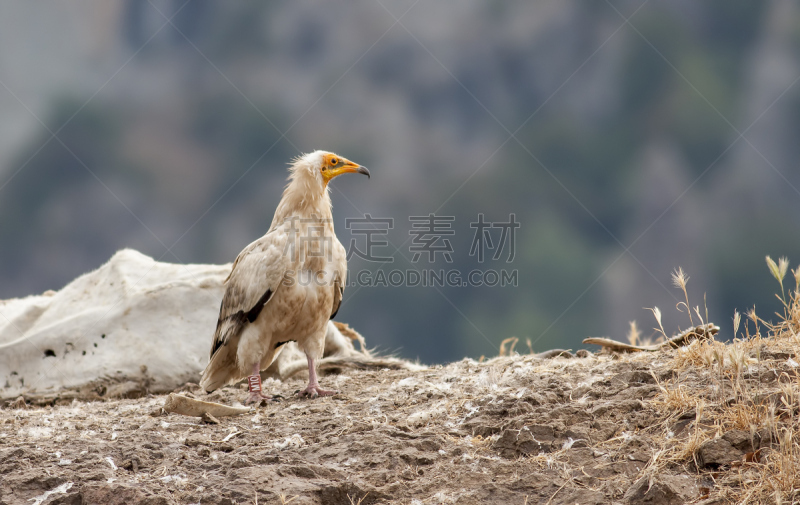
286 285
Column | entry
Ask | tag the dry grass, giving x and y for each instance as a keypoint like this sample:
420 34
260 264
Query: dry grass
507 346
749 382
743 390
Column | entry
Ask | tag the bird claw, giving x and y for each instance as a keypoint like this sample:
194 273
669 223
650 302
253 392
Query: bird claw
314 391
257 397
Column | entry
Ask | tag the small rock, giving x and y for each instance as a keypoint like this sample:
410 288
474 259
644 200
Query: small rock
209 419
635 377
194 440
19 403
532 439
69 499
483 426
628 405
741 440
416 458
664 490
131 464
719 451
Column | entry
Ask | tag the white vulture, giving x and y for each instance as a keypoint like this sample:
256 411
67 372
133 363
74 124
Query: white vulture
286 285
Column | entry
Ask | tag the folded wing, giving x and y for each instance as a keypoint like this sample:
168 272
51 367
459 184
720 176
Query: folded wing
257 274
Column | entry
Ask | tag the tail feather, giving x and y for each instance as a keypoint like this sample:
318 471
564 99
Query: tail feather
221 369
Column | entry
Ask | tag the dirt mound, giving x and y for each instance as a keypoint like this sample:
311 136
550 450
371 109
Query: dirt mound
593 430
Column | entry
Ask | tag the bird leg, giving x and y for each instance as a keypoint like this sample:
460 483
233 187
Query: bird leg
313 388
254 383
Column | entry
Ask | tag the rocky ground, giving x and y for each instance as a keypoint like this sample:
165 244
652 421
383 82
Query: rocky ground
640 428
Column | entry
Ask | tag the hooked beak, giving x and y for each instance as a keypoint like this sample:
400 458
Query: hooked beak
363 170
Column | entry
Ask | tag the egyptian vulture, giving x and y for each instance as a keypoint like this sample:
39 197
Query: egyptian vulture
286 285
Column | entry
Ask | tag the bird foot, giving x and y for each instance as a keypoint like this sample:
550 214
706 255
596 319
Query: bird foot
257 397
313 390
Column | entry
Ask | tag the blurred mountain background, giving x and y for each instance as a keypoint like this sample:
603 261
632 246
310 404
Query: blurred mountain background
627 138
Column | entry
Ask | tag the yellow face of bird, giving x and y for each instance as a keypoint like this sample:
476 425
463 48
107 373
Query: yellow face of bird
333 165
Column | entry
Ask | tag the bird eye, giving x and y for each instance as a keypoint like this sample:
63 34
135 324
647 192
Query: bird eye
334 161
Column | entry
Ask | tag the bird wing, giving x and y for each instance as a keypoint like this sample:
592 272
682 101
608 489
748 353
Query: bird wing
339 276
257 274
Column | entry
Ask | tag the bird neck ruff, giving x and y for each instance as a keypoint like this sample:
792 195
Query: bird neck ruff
306 194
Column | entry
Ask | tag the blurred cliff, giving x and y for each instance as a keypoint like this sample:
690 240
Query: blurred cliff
624 148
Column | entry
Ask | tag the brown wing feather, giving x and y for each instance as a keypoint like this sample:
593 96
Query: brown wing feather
338 293
255 276
340 277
